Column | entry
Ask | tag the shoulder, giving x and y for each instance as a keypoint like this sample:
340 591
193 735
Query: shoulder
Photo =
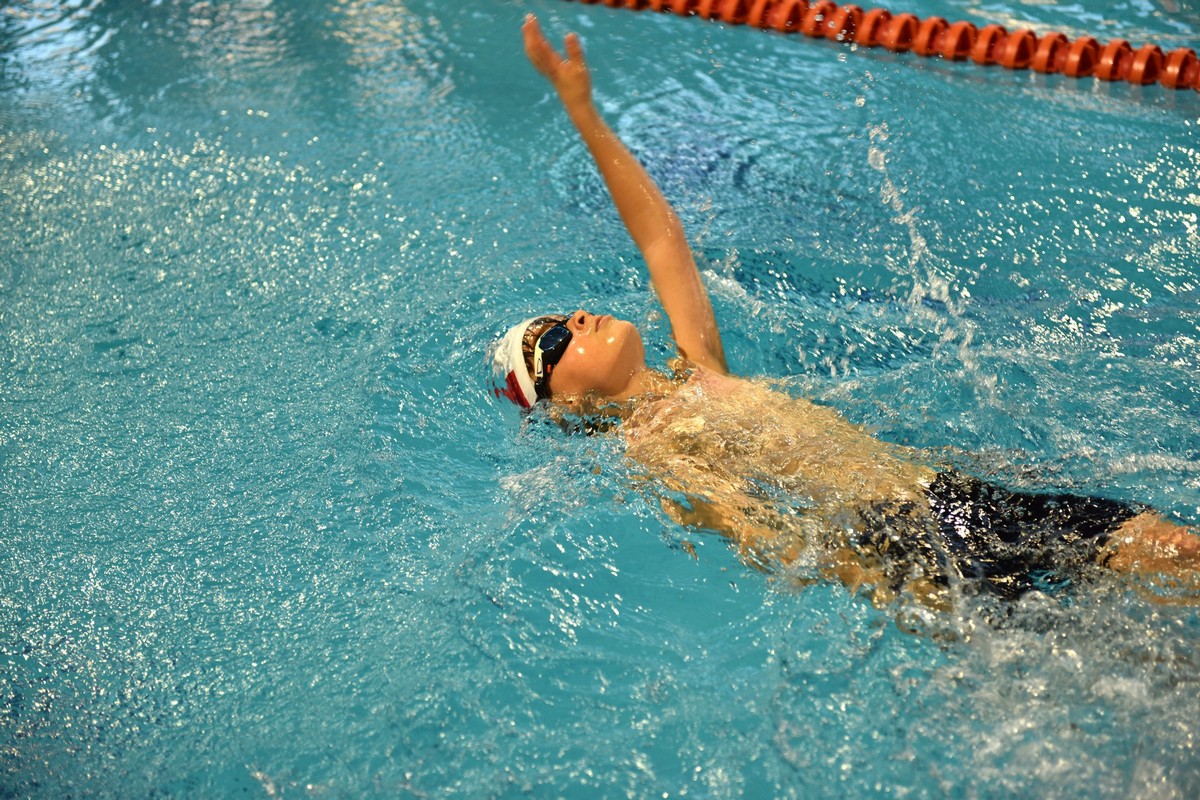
714 380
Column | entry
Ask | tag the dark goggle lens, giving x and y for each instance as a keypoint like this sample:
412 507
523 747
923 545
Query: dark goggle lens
548 351
553 344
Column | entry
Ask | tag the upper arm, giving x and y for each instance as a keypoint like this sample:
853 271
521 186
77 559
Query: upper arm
683 296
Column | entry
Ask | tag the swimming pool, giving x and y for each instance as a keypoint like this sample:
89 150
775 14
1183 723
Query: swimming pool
264 532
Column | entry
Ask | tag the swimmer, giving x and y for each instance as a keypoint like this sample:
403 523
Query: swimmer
788 481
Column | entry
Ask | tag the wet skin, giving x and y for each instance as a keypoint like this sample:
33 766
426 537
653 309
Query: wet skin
604 359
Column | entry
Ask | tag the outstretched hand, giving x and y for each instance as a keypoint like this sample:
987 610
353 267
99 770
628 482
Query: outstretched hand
569 76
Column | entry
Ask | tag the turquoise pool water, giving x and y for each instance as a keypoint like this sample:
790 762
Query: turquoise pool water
263 533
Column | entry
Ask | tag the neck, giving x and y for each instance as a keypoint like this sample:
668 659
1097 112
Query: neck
646 381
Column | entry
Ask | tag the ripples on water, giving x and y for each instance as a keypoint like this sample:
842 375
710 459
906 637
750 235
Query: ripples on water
264 532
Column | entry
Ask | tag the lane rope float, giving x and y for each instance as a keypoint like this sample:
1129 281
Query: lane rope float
934 37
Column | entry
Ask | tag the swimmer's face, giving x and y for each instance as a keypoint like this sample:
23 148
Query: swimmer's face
603 356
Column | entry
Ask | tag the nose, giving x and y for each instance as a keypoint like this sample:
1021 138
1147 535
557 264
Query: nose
578 318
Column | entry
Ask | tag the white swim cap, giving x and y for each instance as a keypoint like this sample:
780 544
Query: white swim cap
510 377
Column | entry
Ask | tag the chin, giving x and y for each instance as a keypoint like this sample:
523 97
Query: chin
627 330
632 347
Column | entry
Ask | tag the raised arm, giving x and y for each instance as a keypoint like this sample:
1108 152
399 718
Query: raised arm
649 218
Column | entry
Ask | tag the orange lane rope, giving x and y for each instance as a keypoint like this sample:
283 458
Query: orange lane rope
957 41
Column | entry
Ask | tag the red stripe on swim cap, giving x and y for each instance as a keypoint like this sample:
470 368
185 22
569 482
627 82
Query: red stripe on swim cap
513 391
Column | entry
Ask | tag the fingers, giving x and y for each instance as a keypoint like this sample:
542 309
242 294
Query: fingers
537 49
569 75
531 29
574 49
542 53
535 42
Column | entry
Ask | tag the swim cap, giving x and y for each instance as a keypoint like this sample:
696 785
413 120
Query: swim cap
510 377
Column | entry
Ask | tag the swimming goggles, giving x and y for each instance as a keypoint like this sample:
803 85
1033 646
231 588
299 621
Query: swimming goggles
549 349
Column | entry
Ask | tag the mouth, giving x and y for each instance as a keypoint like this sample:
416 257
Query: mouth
601 320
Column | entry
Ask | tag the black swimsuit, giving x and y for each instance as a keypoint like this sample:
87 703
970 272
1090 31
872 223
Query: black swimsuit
993 539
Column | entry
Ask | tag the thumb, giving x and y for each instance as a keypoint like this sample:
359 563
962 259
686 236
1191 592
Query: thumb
574 49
